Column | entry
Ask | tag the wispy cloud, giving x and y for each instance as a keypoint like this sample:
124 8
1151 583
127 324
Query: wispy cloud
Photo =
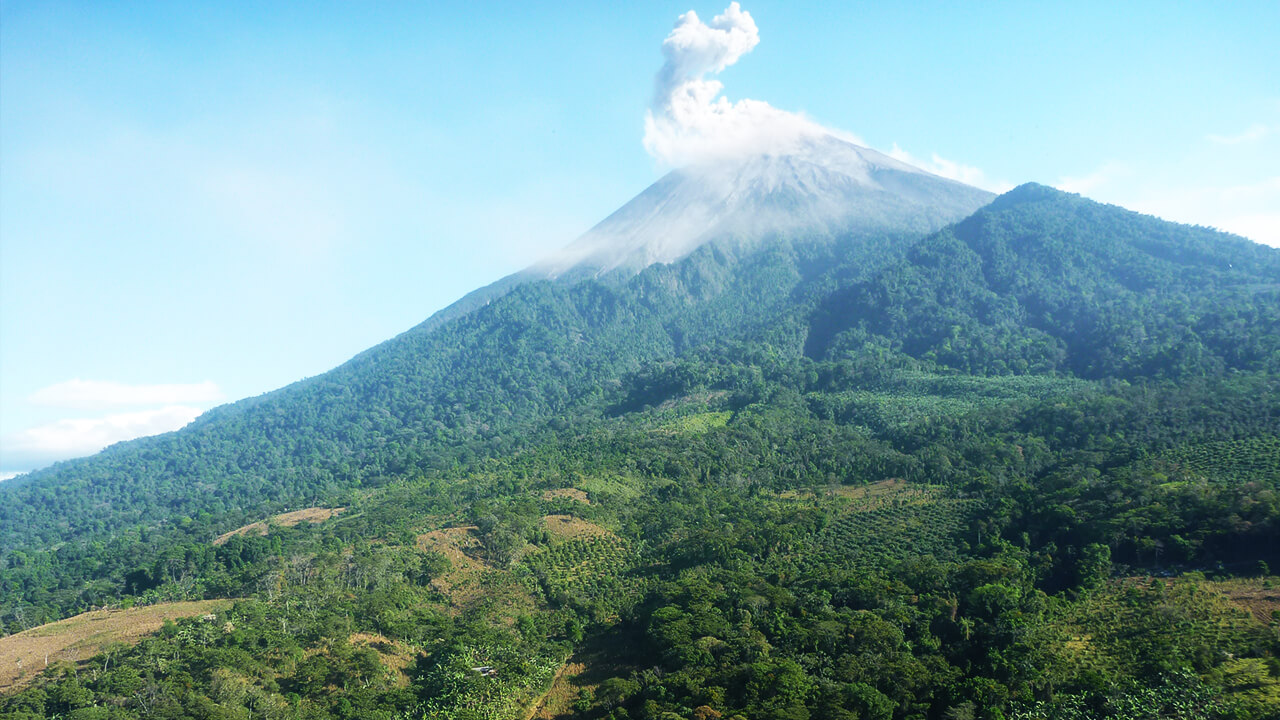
97 394
1256 132
943 167
123 412
1108 173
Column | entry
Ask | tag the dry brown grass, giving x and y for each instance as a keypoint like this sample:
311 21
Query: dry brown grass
76 639
472 582
289 519
881 489
590 665
462 548
562 694
395 655
568 494
1253 594
568 527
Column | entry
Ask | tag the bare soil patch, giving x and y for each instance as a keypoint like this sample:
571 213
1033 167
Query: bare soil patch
289 519
562 694
76 639
1260 596
569 527
395 655
568 494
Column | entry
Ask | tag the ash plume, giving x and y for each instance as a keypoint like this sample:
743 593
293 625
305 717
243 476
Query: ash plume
689 121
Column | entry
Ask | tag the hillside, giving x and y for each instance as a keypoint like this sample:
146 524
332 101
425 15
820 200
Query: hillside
1042 281
521 352
1023 465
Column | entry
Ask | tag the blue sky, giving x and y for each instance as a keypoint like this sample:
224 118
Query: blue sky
205 201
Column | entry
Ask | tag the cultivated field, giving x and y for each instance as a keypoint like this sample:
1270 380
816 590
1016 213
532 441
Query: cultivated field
24 655
289 519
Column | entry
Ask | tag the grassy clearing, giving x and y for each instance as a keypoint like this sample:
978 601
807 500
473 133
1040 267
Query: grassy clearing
396 656
620 488
462 548
573 494
1259 596
561 696
289 519
471 582
855 493
24 655
600 657
567 527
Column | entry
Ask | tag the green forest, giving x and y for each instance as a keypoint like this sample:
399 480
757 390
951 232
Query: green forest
1025 467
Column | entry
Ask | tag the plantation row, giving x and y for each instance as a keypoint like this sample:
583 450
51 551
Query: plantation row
586 571
897 528
1251 460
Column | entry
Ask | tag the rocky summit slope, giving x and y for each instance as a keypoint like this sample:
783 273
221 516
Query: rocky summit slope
822 188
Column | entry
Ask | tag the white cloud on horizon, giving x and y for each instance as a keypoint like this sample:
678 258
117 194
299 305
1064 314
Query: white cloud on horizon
76 437
139 411
97 394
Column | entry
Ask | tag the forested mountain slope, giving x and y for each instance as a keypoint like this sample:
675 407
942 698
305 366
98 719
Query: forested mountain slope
1043 281
872 475
539 345
433 395
1039 281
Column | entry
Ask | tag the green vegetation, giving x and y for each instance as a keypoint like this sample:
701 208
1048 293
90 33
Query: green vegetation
888 529
991 473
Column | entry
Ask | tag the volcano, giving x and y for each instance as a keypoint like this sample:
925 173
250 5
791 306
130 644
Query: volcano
822 188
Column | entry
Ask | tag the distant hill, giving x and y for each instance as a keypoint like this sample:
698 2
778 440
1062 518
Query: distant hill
1046 281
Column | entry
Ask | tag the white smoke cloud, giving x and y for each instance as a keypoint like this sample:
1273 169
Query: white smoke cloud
689 121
